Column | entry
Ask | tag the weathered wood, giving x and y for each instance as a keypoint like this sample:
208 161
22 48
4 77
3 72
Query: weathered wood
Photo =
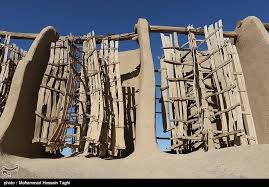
199 93
221 92
216 77
176 62
225 110
41 97
120 142
248 119
179 79
172 86
164 95
181 98
228 134
218 67
184 30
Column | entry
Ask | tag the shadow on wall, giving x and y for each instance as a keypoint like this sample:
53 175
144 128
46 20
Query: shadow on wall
129 119
130 69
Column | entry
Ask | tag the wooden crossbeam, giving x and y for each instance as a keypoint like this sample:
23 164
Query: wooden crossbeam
225 110
228 134
185 30
177 63
179 79
222 91
218 67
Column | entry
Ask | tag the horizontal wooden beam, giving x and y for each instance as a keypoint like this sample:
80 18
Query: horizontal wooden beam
120 37
184 30
124 36
76 39
19 35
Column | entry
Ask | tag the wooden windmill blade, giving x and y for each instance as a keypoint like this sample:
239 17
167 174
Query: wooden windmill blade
202 104
229 97
41 97
94 97
216 77
120 133
4 63
171 88
234 93
247 114
50 91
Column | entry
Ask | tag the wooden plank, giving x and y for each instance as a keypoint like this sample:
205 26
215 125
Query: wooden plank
249 122
199 93
216 77
41 97
225 110
100 92
115 118
59 128
172 87
49 98
88 63
184 30
222 65
4 64
179 79
95 124
164 96
174 62
228 133
120 140
234 94
230 94
57 101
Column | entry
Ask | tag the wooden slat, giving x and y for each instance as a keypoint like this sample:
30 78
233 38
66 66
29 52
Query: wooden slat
164 95
41 97
199 93
216 77
249 122
234 94
120 141
176 62
172 86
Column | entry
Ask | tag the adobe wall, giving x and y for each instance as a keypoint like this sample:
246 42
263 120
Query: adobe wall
130 70
252 44
18 118
145 123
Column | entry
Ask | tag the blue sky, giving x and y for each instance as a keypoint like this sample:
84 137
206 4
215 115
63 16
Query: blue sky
118 16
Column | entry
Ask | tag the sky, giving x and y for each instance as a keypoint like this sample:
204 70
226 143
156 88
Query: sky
79 17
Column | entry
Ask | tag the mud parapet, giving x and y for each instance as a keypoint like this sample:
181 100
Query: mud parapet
17 120
252 44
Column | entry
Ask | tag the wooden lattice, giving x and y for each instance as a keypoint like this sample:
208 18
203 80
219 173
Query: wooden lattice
56 95
80 102
204 99
105 130
10 55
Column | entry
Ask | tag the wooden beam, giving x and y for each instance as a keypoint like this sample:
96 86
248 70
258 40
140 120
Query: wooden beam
184 30
76 39
19 35
120 37
124 36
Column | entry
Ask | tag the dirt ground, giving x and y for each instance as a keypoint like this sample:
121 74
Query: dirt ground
234 162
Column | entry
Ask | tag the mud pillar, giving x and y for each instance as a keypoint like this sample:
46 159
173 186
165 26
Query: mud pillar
253 49
145 125
17 122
